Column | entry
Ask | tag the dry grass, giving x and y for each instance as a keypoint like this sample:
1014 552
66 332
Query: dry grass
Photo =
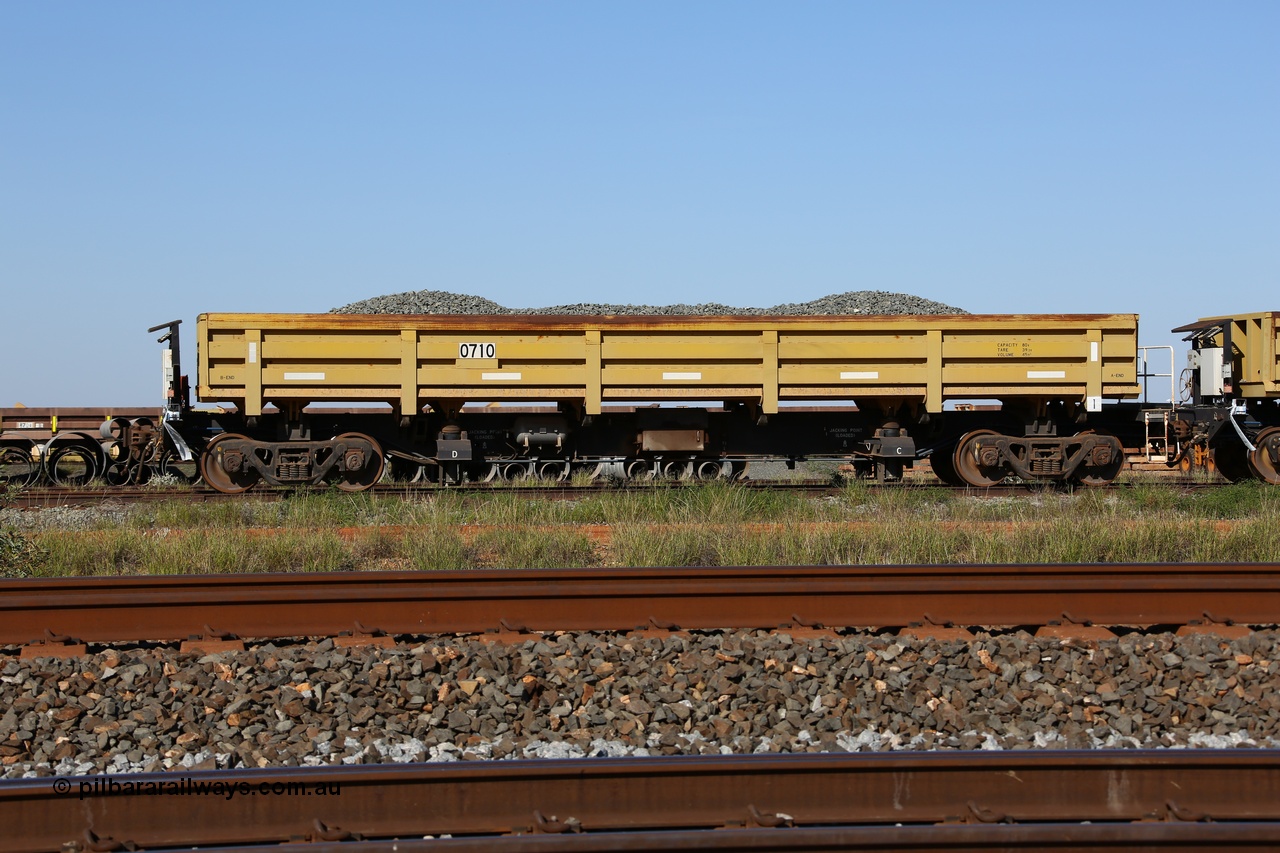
708 525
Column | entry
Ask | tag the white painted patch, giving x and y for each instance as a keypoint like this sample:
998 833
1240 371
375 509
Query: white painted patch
1046 374
1093 350
697 375
304 376
500 377
253 352
859 374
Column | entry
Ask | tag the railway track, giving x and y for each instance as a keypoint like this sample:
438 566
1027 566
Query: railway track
1098 800
60 616
40 497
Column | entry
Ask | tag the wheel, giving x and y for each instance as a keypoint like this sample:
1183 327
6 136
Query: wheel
1232 461
1260 457
216 460
71 465
968 469
1102 474
118 474
17 466
553 470
944 467
364 475
637 469
404 470
677 469
171 465
710 469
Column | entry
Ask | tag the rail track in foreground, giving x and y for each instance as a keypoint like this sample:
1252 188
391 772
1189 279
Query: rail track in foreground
61 616
1094 800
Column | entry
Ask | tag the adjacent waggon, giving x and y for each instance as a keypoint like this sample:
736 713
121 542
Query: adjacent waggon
346 399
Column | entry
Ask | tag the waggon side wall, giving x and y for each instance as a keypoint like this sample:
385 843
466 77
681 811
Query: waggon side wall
408 360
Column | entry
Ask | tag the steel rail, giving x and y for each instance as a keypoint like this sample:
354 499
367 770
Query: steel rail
1060 837
35 497
141 608
978 795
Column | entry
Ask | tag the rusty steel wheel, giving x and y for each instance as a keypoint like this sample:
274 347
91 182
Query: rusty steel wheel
226 472
1101 475
1232 461
369 473
1260 457
944 467
967 467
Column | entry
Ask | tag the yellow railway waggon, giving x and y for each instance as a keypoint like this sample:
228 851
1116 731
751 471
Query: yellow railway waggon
350 398
902 373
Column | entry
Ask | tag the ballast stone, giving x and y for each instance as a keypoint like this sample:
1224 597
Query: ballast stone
609 694
853 302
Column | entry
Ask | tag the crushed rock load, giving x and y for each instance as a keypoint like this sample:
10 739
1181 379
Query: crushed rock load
853 302
591 694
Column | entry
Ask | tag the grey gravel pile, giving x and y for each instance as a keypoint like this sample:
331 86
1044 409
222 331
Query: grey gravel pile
853 302
572 695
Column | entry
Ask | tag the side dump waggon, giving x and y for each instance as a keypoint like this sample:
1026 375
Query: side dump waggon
346 399
735 389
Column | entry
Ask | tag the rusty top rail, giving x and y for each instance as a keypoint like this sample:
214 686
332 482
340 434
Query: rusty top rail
761 795
138 608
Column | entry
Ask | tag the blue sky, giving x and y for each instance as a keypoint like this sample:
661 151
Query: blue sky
158 160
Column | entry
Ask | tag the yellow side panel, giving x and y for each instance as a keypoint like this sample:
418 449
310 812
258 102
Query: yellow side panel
226 374
1119 346
293 375
956 346
682 347
365 393
844 345
852 374
1029 375
553 346
507 375
381 345
681 374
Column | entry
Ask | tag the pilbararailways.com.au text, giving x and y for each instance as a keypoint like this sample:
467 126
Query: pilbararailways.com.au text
111 786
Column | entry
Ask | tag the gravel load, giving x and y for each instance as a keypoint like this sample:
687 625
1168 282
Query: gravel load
592 695
853 302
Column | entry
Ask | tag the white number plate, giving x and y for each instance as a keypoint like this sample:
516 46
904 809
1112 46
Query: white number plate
477 350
